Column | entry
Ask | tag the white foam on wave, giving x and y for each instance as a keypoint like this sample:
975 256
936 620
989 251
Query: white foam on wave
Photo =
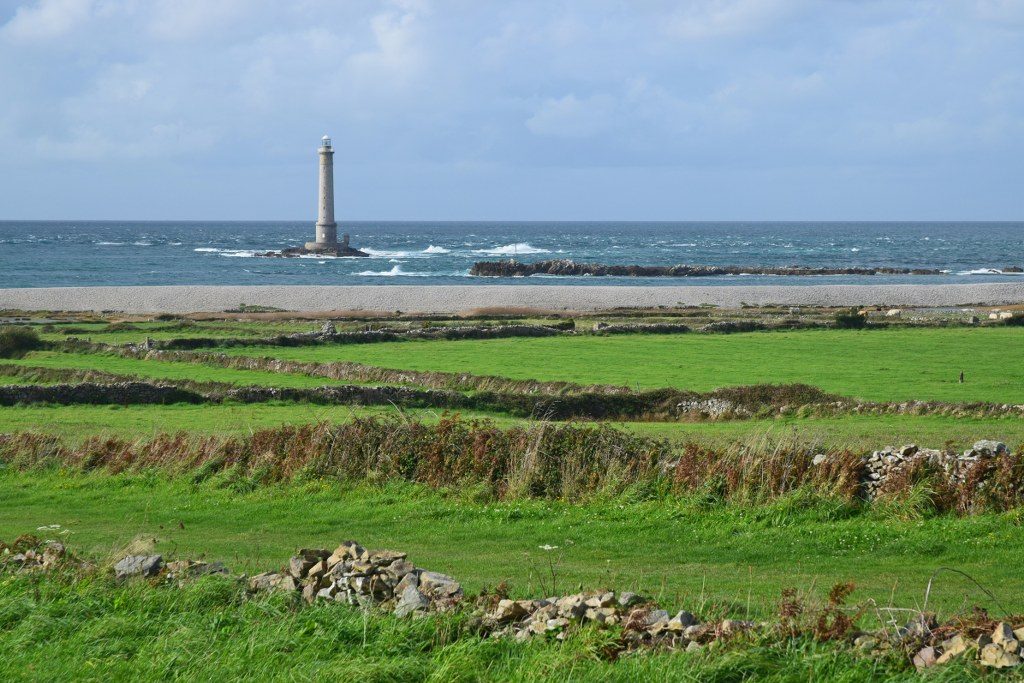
209 249
384 253
396 271
986 271
513 249
436 250
142 243
110 244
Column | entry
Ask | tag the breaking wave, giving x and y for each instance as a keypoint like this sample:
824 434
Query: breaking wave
436 250
513 250
396 271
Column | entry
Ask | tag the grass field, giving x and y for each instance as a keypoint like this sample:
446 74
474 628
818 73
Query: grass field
685 554
855 432
716 559
164 370
876 365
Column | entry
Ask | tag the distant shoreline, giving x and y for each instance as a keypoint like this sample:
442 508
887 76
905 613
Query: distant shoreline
465 299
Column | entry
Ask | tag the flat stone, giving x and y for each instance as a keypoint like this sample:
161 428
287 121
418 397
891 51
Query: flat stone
952 648
681 620
138 565
439 585
411 600
630 599
926 657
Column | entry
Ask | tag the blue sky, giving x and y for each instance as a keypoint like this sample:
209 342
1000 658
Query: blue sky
468 109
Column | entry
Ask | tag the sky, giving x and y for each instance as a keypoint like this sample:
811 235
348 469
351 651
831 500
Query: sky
513 110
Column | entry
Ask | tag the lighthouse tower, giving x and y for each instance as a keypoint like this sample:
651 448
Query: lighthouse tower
326 228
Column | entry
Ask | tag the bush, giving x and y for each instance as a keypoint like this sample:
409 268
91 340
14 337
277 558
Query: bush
851 320
16 341
1016 320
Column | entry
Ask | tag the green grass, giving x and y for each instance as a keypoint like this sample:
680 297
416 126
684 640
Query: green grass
706 559
856 432
95 631
878 365
101 332
166 370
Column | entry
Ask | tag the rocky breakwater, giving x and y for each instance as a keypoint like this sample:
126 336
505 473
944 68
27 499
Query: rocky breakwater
354 575
566 267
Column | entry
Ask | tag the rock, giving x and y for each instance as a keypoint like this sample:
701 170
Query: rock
510 610
819 458
268 581
925 657
731 626
411 600
300 565
439 585
138 565
328 329
657 616
1004 637
601 600
190 569
988 447
952 648
693 646
995 656
681 620
629 599
381 558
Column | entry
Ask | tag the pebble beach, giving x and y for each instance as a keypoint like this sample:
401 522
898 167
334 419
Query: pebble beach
465 299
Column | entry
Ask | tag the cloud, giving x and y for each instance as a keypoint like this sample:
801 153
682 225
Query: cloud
46 20
572 117
707 85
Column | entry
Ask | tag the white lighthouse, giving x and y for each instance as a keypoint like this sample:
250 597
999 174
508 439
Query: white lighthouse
326 243
326 228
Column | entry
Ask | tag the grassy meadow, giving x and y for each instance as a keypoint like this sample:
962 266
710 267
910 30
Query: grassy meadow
713 557
875 365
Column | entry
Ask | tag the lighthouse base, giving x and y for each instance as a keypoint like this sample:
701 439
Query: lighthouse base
315 249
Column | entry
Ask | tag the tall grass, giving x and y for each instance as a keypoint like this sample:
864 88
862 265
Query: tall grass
542 460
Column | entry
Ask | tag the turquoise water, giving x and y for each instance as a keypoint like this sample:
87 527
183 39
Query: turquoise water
78 253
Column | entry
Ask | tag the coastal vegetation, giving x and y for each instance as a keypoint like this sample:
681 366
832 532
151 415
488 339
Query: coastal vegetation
749 481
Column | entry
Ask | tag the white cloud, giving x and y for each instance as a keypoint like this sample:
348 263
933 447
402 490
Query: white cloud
706 19
572 117
46 20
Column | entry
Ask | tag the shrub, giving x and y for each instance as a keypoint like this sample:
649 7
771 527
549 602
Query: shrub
851 320
16 341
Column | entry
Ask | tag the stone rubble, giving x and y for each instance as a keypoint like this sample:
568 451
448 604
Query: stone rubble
357 576
881 464
386 580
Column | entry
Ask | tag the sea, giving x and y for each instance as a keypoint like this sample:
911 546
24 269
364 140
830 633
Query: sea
129 253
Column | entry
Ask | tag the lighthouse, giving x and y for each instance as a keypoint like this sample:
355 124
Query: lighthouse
326 229
326 243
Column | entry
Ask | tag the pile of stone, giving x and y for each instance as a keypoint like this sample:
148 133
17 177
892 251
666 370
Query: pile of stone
1000 649
150 566
39 557
643 625
357 576
880 465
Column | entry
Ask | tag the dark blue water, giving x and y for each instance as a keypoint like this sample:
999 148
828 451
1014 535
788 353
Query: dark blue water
79 253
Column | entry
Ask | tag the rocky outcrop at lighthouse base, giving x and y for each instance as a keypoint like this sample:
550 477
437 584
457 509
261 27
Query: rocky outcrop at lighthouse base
327 250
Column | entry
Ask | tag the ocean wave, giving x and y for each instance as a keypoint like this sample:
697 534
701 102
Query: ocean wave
384 253
513 250
236 253
986 271
396 271
110 244
436 250
141 243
